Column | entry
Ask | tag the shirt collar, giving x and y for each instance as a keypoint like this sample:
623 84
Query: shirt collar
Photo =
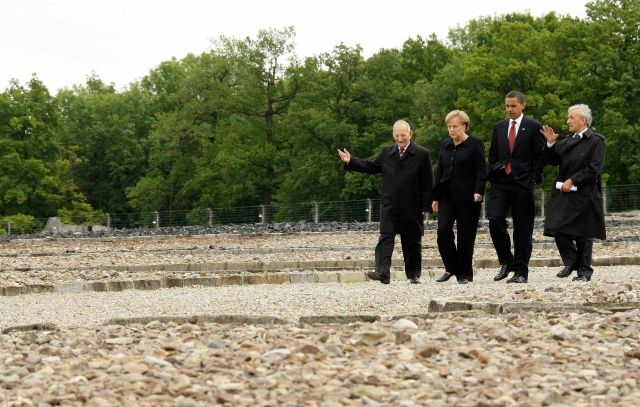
518 120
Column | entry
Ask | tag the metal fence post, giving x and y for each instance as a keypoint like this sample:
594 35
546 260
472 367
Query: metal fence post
9 227
210 213
316 212
263 213
369 210
484 208
157 219
542 202
108 216
604 199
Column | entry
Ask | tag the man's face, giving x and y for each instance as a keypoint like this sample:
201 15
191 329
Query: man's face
401 134
514 107
576 122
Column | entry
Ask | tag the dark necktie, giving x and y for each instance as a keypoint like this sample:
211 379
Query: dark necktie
512 142
401 150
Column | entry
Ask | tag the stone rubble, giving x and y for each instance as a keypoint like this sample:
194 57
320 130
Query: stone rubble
444 360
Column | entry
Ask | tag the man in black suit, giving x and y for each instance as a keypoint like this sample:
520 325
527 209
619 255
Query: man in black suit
407 183
516 164
575 214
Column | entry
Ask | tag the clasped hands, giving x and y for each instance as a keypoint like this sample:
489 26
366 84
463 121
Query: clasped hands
476 198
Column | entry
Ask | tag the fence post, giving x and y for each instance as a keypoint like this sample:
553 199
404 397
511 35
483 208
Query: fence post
157 219
484 207
108 216
9 227
316 212
541 202
263 214
604 199
369 210
210 213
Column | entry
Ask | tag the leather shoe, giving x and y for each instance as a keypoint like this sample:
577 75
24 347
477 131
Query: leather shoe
565 272
502 273
517 279
463 281
582 278
372 275
414 280
445 277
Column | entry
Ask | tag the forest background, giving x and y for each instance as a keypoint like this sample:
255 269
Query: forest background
248 123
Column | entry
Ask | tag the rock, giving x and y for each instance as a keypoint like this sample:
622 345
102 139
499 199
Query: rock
560 333
218 344
420 339
404 324
119 341
427 351
276 355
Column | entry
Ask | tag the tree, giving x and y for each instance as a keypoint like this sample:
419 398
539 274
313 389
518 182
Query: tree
265 83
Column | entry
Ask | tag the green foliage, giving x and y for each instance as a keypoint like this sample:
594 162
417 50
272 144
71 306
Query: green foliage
21 223
81 213
248 124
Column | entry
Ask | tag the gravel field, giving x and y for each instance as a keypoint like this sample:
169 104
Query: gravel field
156 348
291 301
533 359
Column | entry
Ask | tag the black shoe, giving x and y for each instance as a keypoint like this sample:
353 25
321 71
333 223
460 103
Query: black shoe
445 277
565 272
463 281
502 273
517 279
372 275
414 280
582 278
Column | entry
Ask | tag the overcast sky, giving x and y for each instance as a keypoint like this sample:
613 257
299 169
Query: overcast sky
64 41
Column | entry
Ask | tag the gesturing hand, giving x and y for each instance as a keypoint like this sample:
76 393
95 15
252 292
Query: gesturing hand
344 155
549 134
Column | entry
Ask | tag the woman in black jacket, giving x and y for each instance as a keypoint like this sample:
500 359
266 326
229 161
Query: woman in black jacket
459 188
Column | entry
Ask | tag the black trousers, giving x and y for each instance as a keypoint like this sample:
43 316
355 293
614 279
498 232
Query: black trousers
511 195
411 250
466 214
575 252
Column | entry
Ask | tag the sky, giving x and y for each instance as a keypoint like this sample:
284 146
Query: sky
65 41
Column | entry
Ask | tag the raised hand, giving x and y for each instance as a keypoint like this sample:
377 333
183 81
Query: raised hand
344 155
549 134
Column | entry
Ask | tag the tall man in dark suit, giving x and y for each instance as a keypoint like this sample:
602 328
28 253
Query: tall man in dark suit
407 183
516 163
575 214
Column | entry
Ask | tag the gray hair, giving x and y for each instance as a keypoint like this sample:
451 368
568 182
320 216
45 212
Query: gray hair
404 123
584 112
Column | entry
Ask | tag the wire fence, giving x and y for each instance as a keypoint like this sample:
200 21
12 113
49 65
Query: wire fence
618 198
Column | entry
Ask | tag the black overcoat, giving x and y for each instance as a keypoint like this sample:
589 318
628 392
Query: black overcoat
407 185
579 213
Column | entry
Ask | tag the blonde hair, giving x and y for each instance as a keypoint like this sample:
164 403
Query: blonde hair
460 115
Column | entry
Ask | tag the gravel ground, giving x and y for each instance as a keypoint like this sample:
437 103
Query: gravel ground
290 301
70 357
512 360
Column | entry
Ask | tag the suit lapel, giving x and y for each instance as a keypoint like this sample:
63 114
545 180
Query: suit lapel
504 139
520 136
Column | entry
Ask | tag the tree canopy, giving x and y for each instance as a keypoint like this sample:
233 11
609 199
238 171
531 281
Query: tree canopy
248 123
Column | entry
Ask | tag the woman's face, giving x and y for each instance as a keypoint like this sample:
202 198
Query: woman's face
456 128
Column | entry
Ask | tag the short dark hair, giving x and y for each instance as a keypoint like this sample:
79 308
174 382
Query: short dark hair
515 94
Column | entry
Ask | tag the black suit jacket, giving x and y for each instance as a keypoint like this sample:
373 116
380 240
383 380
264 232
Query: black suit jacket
464 167
527 160
407 185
